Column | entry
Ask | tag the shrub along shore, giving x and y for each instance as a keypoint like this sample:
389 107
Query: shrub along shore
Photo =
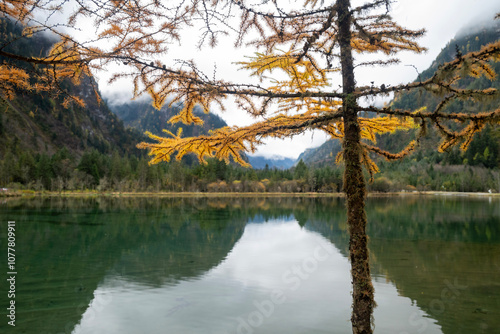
32 193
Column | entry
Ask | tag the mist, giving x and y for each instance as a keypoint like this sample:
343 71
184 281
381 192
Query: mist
483 20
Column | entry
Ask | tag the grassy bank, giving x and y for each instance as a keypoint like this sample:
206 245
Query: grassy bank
30 193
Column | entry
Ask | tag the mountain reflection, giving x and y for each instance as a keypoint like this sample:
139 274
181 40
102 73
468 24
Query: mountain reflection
442 253
68 246
82 258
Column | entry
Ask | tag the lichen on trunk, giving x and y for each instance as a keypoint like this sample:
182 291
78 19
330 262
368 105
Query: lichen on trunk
354 185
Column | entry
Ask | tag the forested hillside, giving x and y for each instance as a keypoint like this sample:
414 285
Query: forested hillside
38 121
486 142
473 170
46 146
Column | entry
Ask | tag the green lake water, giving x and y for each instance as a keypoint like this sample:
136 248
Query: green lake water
248 265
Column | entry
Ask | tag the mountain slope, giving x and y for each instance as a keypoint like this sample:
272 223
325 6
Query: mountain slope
463 44
480 36
38 122
488 140
322 155
142 116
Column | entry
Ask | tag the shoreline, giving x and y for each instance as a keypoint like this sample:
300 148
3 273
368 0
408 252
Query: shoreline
30 194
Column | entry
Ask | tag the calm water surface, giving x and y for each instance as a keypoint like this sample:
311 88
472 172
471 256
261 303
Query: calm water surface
249 265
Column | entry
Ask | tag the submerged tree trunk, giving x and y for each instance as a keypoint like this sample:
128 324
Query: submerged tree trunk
354 185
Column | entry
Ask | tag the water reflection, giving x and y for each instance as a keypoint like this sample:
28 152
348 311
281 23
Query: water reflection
279 278
442 253
251 265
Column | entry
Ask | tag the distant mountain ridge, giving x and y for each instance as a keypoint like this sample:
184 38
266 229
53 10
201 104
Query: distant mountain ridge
278 162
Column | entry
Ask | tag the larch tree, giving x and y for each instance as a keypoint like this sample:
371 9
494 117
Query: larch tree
299 53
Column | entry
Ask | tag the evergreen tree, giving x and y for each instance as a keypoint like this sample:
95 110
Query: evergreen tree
44 171
301 171
93 164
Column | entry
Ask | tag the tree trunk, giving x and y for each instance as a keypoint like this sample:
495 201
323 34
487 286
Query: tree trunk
354 185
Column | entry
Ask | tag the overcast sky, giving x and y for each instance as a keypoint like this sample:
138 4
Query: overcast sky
441 18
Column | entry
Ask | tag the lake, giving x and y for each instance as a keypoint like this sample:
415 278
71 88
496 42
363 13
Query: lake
248 265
